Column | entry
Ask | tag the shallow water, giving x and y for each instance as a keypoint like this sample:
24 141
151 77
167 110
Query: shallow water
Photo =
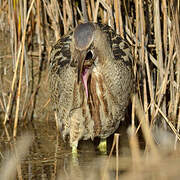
50 158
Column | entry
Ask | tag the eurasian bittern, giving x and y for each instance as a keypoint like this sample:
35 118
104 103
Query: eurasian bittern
91 82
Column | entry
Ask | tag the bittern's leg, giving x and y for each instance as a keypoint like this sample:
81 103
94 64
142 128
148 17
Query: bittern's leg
74 154
74 149
103 146
74 146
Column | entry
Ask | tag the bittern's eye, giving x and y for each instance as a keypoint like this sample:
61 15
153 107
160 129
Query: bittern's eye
89 55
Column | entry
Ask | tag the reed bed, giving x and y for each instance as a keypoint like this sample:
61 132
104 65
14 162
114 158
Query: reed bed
152 28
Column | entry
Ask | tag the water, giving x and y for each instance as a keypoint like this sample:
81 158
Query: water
49 157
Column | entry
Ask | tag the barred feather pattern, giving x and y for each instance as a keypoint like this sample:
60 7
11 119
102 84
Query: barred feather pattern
109 86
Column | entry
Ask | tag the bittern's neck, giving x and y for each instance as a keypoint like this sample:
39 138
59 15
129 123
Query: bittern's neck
102 45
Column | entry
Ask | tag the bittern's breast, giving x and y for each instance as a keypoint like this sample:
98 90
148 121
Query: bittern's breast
96 112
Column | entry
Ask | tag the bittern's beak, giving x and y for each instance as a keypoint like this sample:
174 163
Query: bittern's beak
81 58
85 64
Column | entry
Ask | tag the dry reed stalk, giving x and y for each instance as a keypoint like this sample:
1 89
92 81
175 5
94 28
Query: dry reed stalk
38 9
84 10
177 68
116 136
92 8
135 150
54 12
165 28
40 39
145 128
108 13
142 58
89 12
156 96
96 11
137 28
164 83
21 68
150 84
178 127
64 17
121 21
117 16
70 15
159 52
23 8
13 30
18 94
2 104
133 112
12 87
115 144
47 32
13 51
108 8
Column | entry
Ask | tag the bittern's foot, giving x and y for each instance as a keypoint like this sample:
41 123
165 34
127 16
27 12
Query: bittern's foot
74 150
103 146
74 155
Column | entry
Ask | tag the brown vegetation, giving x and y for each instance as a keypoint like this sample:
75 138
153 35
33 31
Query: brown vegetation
151 27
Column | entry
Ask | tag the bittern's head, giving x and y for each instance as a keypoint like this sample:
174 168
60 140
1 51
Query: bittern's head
83 36
83 54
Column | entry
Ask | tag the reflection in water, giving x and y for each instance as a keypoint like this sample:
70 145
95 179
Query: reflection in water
49 157
39 153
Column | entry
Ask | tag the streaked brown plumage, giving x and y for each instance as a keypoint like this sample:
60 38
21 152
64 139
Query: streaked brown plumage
91 81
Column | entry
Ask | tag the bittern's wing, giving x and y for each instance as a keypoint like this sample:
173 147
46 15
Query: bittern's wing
121 82
120 47
61 78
